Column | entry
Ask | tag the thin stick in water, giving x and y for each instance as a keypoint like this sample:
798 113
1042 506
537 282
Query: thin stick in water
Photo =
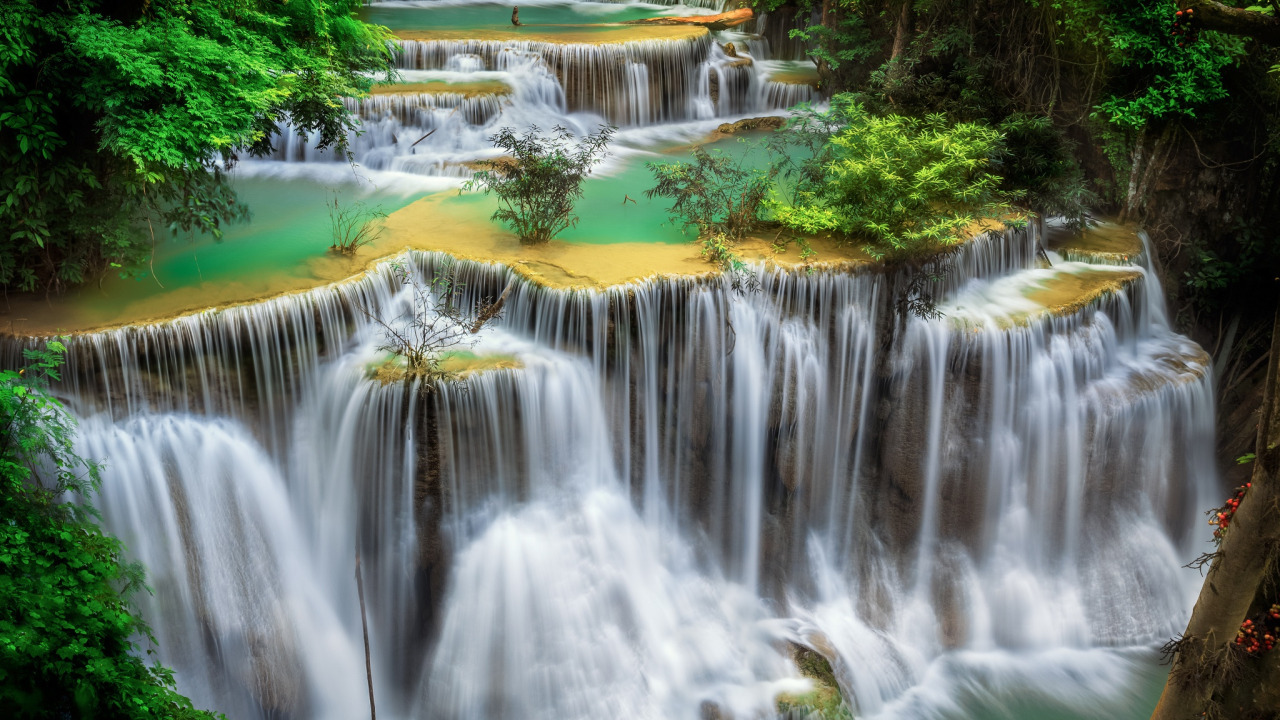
364 623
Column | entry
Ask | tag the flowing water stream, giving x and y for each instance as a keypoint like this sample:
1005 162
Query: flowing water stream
982 515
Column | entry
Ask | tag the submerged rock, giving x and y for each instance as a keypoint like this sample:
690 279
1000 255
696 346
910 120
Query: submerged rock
749 124
759 123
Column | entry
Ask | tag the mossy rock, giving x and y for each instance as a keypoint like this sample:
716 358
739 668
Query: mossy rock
824 701
452 365
758 123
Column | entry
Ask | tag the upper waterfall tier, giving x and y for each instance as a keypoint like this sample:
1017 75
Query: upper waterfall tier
566 68
414 104
654 70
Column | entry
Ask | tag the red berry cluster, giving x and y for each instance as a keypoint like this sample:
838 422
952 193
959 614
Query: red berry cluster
1222 516
1185 27
1259 636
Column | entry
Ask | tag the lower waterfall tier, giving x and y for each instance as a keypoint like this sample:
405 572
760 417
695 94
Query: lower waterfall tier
656 488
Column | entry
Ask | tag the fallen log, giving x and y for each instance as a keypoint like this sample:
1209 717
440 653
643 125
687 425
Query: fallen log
723 21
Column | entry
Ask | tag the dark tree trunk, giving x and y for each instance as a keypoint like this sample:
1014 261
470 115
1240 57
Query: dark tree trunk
1212 15
1207 660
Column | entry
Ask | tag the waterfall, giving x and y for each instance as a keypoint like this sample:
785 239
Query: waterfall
678 478
570 81
594 77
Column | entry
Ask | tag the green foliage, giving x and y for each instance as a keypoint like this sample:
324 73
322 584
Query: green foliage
541 177
1076 22
112 115
67 631
716 194
1165 75
353 226
1039 166
432 325
801 151
1240 273
903 186
843 41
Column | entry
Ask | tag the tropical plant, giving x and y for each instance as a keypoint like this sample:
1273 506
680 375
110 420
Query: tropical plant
902 186
539 178
433 322
800 152
1166 74
716 194
69 639
353 226
1038 165
115 117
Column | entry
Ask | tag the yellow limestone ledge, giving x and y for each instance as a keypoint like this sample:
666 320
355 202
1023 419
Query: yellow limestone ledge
564 34
566 265
440 87
428 225
1069 293
457 364
1107 239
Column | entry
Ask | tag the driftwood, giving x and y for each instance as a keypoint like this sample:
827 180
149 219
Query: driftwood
723 21
492 310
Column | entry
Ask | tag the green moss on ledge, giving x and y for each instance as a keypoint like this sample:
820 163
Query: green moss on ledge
1105 242
824 700
440 87
454 365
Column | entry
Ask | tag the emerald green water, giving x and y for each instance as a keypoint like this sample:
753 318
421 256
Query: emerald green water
288 231
289 224
608 216
285 244
498 17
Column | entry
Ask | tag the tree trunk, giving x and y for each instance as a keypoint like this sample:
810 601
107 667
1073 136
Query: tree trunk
1205 654
1148 164
901 31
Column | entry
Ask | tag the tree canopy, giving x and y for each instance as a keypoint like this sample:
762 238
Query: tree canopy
116 116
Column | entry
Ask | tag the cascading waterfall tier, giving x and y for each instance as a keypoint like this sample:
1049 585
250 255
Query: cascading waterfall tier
679 477
594 77
419 109
630 76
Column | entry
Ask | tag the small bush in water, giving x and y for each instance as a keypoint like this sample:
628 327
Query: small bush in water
541 177
353 226
716 194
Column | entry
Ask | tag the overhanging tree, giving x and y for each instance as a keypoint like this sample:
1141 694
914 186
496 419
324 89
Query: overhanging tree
115 115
